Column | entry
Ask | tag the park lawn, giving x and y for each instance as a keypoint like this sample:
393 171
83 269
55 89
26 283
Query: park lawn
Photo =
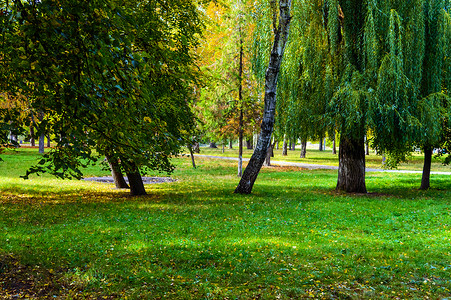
294 237
314 156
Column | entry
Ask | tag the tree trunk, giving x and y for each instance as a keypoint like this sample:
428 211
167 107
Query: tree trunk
32 140
48 141
230 144
196 147
351 169
269 154
285 147
293 145
334 148
42 136
303 148
321 144
367 146
425 179
136 184
258 157
118 178
223 147
213 145
249 145
277 145
192 156
240 99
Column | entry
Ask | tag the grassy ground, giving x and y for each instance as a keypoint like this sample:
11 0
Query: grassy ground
314 156
294 237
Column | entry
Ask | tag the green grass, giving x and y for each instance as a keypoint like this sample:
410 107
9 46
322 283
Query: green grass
294 237
314 156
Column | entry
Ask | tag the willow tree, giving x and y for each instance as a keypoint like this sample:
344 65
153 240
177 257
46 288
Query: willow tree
412 94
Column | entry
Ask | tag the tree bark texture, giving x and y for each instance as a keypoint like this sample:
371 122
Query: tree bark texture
230 144
118 178
425 179
321 144
351 169
293 145
258 157
303 148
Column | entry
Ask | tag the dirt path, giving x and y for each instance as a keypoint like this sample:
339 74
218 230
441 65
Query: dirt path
322 167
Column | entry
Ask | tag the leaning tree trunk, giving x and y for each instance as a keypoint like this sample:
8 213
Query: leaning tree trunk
136 182
118 178
425 179
351 169
258 157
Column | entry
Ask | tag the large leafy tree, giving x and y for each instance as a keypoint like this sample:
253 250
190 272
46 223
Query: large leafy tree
110 77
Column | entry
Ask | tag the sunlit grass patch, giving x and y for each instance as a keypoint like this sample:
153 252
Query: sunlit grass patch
294 237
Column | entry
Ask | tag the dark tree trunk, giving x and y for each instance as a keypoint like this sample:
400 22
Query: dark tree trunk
351 169
249 145
334 148
303 148
269 154
48 141
258 157
136 184
230 144
42 136
118 178
32 133
290 145
240 99
277 145
425 179
293 145
285 147
223 147
367 146
213 145
192 156
321 144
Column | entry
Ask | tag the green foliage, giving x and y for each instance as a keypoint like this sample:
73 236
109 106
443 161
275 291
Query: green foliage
107 76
